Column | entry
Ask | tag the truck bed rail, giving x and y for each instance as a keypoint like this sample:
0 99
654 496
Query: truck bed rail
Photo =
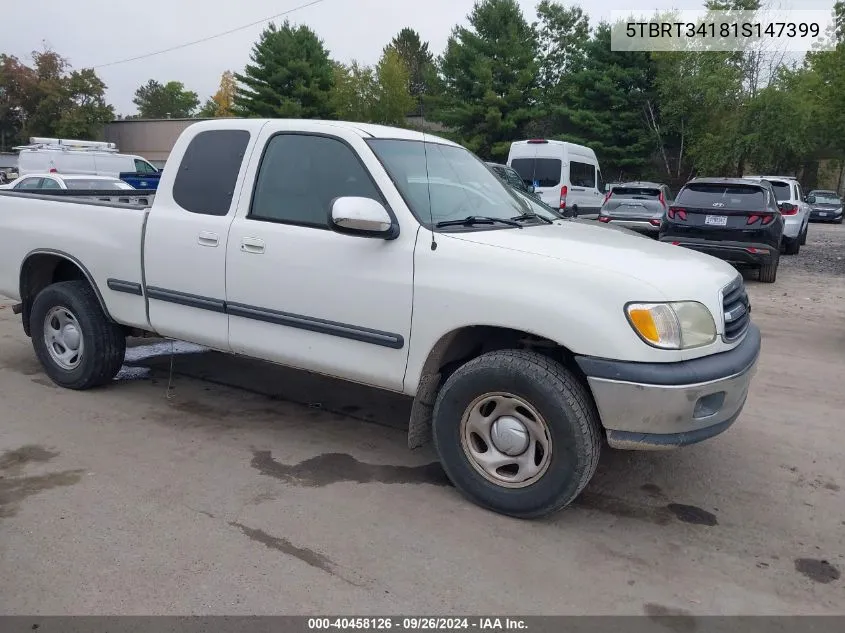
134 197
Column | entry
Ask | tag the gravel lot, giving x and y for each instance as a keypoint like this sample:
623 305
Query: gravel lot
248 488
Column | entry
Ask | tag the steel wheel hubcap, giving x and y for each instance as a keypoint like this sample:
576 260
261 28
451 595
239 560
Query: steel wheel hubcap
63 338
506 440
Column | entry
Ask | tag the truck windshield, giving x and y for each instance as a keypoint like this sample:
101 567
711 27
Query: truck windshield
442 183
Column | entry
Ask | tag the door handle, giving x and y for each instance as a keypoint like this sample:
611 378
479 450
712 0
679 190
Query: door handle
207 238
252 245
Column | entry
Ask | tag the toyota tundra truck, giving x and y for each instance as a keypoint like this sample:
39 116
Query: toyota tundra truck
396 259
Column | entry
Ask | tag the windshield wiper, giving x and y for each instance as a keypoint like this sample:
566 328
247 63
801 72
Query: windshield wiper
532 216
477 219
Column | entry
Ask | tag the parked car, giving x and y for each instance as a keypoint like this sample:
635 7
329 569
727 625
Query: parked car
795 212
825 206
62 181
68 156
734 219
311 244
639 206
565 175
100 188
511 178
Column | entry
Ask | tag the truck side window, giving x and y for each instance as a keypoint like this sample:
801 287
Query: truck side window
300 175
143 167
209 170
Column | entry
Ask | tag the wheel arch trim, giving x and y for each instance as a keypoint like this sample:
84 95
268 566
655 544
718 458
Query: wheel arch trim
73 260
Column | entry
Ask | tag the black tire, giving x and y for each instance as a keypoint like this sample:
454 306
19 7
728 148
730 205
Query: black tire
791 247
769 272
804 234
839 221
560 398
103 342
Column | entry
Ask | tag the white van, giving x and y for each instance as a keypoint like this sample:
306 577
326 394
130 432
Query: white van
565 175
78 157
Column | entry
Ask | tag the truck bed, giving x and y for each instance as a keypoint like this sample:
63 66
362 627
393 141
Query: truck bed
109 234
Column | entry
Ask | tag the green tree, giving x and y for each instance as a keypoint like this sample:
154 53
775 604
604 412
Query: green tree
563 33
604 104
419 61
49 99
353 92
86 110
489 71
165 101
393 99
290 76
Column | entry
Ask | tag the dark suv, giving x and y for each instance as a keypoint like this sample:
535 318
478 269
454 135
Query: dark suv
730 218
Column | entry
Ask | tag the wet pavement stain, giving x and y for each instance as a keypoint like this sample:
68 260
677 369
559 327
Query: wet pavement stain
653 490
692 514
819 570
45 382
622 508
307 556
679 620
14 461
14 489
331 468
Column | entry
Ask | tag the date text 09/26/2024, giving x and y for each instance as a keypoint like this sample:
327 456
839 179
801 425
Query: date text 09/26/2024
417 624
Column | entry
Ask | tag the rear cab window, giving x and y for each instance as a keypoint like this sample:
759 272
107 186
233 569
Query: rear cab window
209 170
540 172
715 197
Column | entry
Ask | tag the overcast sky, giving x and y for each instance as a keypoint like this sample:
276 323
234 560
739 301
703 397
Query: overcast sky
98 32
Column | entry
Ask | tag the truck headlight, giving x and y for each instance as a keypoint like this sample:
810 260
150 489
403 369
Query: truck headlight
679 325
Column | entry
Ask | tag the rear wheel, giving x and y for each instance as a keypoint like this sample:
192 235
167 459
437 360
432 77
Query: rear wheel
769 271
804 234
517 433
791 246
76 343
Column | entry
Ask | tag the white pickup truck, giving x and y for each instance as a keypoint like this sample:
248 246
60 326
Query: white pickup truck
397 260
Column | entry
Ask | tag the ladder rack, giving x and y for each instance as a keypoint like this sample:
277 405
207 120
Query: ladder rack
40 142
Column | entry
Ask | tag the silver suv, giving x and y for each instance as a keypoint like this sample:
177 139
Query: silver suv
795 212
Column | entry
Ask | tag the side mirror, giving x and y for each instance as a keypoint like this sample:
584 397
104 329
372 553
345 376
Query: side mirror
532 189
810 199
364 217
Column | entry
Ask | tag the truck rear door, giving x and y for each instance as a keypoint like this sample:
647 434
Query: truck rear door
185 238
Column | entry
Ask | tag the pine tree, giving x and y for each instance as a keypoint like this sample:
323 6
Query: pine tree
290 76
490 75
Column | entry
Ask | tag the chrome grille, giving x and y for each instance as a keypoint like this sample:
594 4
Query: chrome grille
737 309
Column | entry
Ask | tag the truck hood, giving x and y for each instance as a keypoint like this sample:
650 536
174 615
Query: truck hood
674 271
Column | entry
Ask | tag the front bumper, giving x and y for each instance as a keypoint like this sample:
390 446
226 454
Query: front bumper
754 253
829 215
648 406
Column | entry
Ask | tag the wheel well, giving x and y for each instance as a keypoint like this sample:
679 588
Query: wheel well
460 346
43 269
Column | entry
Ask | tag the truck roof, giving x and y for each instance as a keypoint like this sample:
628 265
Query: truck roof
365 130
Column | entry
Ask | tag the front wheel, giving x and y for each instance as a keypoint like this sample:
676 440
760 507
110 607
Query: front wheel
517 433
76 343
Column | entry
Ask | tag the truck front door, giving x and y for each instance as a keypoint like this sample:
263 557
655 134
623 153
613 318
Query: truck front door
303 295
